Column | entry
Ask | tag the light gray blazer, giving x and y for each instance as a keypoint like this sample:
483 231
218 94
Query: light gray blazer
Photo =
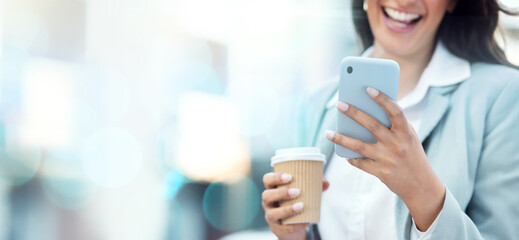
470 132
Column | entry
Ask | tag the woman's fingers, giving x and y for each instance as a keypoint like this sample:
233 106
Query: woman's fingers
395 112
326 184
372 124
360 147
276 214
272 180
271 196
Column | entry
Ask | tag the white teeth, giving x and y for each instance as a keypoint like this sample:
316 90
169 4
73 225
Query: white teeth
401 16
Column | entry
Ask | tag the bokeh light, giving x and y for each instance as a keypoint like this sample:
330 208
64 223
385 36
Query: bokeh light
283 133
107 91
174 228
281 14
64 162
111 157
181 48
69 193
14 60
210 145
18 162
47 103
232 204
27 28
186 65
133 212
64 183
166 146
86 122
196 75
174 181
211 19
258 104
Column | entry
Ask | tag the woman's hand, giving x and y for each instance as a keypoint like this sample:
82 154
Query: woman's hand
275 192
397 159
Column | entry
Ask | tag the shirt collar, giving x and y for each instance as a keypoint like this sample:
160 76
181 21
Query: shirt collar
444 69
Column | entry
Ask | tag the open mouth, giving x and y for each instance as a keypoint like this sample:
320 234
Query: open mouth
400 20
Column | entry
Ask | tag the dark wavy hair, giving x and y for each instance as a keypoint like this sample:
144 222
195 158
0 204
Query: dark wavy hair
468 31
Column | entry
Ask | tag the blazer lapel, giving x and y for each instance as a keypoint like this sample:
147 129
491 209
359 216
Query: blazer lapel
434 111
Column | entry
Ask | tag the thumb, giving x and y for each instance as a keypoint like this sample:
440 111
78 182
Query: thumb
326 184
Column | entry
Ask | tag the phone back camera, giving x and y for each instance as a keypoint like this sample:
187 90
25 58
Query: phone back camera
349 69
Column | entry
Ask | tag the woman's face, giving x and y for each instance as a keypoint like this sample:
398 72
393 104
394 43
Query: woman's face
406 27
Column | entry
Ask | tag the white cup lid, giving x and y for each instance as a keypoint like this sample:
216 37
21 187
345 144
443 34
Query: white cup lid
302 153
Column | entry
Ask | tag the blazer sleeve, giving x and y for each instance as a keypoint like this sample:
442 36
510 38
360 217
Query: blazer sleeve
493 211
300 124
310 110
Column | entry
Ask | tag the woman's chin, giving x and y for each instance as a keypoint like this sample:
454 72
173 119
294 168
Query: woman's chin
395 46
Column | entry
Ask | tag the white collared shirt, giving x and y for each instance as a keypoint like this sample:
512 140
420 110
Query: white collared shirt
358 206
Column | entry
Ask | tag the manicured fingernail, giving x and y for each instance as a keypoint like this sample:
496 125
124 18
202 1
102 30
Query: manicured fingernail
286 177
342 106
294 192
271 174
330 134
297 207
372 92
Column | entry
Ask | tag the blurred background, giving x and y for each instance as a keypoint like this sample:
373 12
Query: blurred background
156 119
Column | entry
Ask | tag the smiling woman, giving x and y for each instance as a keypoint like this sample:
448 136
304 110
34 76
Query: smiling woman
406 29
447 168
466 27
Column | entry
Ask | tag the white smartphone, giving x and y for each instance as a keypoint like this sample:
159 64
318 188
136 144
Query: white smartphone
358 73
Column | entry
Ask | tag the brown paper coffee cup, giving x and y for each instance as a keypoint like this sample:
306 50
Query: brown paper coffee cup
306 167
